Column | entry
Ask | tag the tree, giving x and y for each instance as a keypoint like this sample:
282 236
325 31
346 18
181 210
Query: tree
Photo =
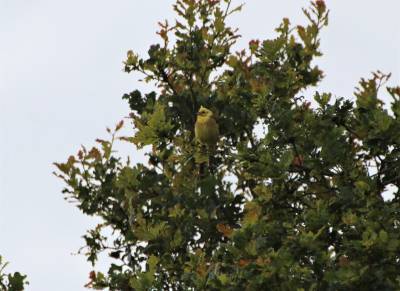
11 282
294 201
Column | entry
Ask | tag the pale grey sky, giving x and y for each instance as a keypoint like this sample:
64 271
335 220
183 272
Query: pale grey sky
61 83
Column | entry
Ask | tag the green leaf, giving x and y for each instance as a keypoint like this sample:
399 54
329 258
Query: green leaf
362 186
224 279
153 261
383 236
252 213
349 218
323 99
263 192
286 159
157 127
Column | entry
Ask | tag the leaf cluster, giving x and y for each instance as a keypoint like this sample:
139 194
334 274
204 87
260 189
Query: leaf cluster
11 282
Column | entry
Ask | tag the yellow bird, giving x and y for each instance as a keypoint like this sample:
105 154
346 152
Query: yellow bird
206 128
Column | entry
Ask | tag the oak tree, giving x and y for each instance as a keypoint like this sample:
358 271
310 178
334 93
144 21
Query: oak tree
295 200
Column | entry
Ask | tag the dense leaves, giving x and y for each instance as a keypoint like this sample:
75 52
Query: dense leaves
11 282
296 199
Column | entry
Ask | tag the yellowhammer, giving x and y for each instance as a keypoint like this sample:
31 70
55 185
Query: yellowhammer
206 128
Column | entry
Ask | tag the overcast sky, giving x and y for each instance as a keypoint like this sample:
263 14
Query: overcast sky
61 83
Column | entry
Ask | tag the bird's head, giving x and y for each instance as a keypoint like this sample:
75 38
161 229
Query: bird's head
204 112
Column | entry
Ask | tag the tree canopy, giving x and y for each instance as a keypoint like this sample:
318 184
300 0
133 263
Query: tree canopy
295 199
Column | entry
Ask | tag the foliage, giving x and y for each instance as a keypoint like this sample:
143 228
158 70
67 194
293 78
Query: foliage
295 202
11 282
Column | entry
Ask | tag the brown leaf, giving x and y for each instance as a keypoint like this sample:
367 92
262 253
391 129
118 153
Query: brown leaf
225 229
94 153
119 125
80 154
202 270
298 161
344 261
244 262
263 261
321 5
